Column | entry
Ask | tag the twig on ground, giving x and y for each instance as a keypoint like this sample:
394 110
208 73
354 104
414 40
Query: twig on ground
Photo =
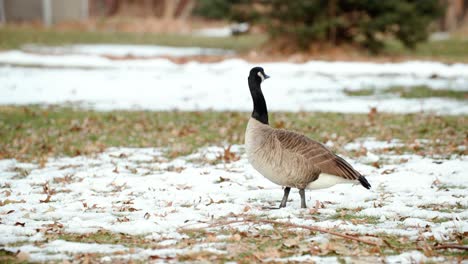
452 246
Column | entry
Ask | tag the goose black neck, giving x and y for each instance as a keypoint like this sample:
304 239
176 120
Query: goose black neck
260 111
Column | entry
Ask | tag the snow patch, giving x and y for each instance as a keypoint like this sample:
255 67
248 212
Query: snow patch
147 198
158 84
120 50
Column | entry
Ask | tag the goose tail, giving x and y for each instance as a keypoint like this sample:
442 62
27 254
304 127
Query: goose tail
364 182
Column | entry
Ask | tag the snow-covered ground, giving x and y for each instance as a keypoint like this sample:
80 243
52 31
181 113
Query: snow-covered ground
214 32
139 192
120 50
93 80
226 31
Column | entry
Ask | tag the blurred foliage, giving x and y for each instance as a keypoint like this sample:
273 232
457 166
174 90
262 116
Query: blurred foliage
214 9
366 23
235 10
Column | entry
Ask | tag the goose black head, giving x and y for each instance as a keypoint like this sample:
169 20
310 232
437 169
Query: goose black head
258 75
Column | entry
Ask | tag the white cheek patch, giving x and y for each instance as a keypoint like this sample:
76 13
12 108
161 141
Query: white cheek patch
261 76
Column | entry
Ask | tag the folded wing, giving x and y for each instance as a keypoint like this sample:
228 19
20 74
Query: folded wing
319 155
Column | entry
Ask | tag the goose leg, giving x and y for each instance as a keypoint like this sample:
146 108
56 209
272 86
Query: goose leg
303 202
285 197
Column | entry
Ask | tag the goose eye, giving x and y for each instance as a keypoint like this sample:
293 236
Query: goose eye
261 76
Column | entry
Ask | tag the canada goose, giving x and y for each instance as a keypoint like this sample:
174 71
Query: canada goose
287 158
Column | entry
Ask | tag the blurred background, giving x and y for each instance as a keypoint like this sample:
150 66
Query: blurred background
311 27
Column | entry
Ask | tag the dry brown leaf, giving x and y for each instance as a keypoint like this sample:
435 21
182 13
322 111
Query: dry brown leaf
123 219
215 202
372 115
269 253
211 238
279 124
228 156
388 171
376 164
22 256
46 200
291 242
236 237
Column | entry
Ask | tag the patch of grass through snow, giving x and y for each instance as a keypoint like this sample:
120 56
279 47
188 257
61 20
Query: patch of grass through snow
393 245
420 91
360 92
8 257
355 219
104 237
450 186
283 242
452 49
444 208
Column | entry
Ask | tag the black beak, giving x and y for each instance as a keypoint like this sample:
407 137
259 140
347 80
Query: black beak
266 76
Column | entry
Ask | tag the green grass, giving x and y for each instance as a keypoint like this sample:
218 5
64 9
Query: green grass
14 37
105 237
35 133
7 257
420 91
398 244
458 207
284 242
360 92
354 218
357 218
425 92
452 49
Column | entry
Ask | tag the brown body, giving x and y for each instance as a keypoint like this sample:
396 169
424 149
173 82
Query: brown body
293 160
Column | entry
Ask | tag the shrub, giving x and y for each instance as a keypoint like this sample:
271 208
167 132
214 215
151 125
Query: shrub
214 9
360 22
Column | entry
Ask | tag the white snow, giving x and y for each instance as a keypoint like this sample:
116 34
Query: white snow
159 203
218 32
221 32
98 82
121 50
372 144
